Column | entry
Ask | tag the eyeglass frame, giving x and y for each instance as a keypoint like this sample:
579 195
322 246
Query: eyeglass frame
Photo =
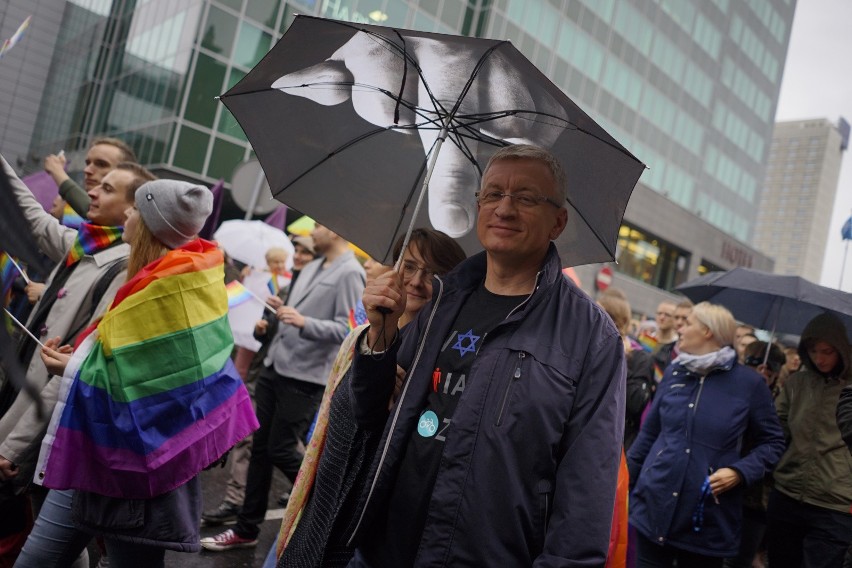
515 198
414 268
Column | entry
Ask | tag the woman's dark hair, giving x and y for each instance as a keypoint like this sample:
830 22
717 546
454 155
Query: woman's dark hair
440 251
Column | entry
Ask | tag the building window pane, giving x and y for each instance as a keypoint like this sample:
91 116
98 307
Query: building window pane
191 149
219 32
224 159
263 11
252 45
235 4
206 85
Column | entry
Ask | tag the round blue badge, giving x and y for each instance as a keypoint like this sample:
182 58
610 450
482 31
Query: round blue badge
428 424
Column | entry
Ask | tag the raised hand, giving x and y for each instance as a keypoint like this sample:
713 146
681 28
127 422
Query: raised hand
384 301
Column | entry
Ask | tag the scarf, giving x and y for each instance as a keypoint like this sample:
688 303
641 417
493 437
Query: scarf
703 364
151 397
91 239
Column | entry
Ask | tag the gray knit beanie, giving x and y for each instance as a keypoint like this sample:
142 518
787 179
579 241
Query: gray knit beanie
174 211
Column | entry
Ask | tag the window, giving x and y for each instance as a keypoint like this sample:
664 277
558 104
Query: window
191 149
652 260
219 32
206 85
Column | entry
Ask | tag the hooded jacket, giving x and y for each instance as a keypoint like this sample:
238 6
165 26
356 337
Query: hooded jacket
817 467
696 425
528 471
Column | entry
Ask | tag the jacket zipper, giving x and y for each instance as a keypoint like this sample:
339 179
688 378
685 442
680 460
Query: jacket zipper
396 411
698 397
512 380
516 308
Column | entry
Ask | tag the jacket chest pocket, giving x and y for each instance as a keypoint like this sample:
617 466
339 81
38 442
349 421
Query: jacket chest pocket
529 387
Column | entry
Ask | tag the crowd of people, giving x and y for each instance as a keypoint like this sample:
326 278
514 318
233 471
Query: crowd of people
445 410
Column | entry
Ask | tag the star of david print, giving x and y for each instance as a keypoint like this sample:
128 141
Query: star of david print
471 345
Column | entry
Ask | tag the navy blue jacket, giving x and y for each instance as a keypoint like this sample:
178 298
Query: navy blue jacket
695 426
529 468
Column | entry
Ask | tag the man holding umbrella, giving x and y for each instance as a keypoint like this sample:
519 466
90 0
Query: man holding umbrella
504 444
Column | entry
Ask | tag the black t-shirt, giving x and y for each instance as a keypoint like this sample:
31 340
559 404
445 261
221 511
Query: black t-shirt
409 500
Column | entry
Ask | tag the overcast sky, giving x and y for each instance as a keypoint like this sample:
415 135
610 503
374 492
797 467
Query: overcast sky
818 84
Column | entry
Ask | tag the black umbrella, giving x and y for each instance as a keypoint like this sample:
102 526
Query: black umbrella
783 304
343 117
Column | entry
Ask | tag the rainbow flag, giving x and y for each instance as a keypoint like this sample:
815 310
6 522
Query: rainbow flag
8 273
277 281
70 218
357 316
237 293
151 397
648 342
16 37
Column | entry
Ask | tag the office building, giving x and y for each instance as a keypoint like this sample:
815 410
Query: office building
798 196
689 86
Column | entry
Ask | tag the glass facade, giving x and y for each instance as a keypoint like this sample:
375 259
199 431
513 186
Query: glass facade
689 86
650 259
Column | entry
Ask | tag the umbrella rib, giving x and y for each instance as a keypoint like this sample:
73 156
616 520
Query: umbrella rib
589 225
333 153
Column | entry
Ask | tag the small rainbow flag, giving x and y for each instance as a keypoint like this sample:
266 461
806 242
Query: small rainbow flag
151 396
275 283
237 294
357 316
648 342
16 37
70 218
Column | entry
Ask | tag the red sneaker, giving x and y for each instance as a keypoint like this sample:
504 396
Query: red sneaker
227 541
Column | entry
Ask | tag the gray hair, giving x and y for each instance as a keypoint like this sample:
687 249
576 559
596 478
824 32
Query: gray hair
530 152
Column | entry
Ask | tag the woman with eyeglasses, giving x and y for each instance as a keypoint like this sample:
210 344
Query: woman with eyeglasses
324 501
686 466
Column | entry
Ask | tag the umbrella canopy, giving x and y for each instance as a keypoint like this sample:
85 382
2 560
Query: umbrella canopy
248 241
784 304
344 118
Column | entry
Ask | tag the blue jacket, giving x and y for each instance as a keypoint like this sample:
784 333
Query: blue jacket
696 425
528 471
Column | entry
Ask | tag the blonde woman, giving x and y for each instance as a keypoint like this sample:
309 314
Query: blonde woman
685 466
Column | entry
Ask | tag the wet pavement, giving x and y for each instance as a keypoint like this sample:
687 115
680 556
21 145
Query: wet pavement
213 488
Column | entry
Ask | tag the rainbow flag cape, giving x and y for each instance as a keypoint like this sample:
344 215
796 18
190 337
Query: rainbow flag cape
237 293
150 396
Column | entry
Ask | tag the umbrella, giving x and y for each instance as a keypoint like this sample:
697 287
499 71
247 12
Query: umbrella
348 119
248 241
783 304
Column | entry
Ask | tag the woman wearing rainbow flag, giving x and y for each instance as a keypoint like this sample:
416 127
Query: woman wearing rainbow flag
149 396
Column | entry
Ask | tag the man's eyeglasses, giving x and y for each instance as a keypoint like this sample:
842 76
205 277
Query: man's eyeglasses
523 199
410 269
666 314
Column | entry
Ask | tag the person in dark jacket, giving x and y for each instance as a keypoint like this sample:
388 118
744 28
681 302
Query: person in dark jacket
504 446
640 367
808 514
686 467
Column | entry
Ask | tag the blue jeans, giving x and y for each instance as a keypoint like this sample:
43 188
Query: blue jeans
54 541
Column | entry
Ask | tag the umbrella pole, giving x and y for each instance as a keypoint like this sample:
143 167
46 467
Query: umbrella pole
433 159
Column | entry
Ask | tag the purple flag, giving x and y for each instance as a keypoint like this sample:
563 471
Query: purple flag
43 187
212 222
277 218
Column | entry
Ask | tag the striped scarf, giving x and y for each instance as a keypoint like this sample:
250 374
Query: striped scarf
91 239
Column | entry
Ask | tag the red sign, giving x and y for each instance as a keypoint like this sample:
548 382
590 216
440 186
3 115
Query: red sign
603 279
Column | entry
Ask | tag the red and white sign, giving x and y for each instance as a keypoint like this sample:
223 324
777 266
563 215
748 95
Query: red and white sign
603 279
